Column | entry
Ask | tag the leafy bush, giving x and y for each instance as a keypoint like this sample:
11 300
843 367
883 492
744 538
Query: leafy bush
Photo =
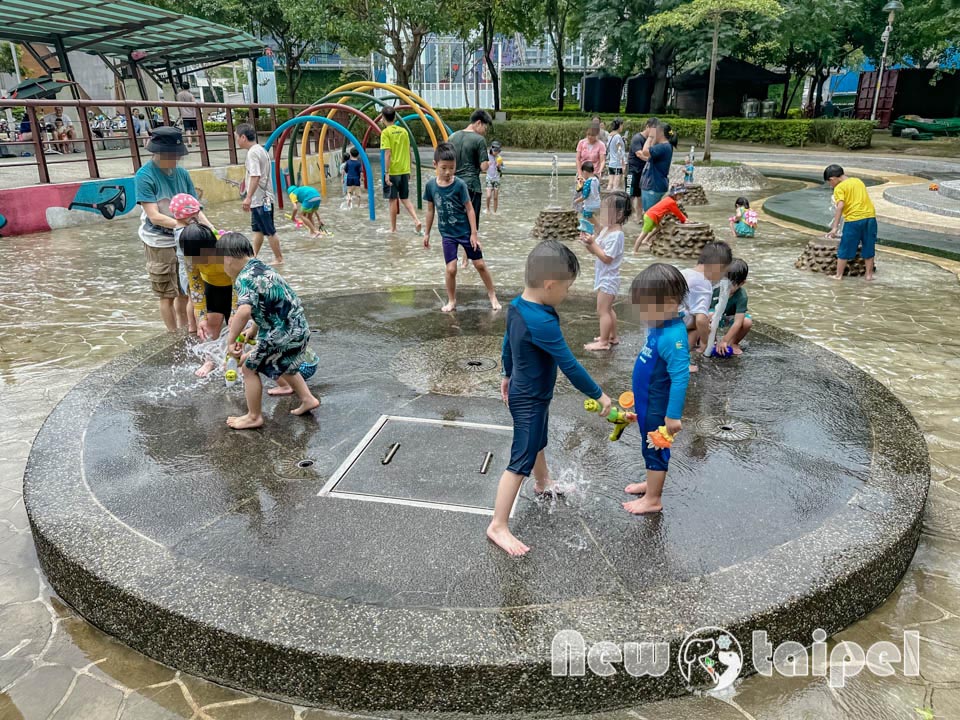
780 132
852 134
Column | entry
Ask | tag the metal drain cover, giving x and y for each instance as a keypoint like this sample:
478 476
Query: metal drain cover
725 428
312 467
477 364
404 461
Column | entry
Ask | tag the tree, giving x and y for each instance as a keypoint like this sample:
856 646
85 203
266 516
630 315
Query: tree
297 26
6 59
694 15
610 30
924 33
397 29
503 17
560 16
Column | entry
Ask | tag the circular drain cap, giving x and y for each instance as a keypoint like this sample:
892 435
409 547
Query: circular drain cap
305 468
725 428
477 364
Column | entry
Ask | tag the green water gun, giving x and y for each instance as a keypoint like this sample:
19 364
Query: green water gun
621 417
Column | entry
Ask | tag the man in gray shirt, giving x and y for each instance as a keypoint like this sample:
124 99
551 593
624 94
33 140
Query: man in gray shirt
472 156
259 199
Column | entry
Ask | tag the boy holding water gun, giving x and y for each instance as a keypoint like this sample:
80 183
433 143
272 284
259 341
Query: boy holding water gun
265 297
533 348
660 377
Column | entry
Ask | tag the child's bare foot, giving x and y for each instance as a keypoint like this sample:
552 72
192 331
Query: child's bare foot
642 506
278 261
305 407
598 345
694 368
836 277
494 303
869 277
317 234
505 540
550 491
541 487
639 488
737 350
204 370
280 390
613 341
449 307
245 422
418 229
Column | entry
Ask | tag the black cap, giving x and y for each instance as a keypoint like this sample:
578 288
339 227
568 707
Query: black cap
168 140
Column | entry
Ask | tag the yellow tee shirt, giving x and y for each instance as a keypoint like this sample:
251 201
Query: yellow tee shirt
210 273
857 204
398 141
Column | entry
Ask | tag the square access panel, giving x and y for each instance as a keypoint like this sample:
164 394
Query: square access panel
447 465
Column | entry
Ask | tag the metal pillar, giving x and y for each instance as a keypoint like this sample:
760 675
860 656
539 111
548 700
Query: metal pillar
65 66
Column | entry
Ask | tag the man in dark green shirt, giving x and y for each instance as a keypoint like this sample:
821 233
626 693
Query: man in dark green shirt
472 155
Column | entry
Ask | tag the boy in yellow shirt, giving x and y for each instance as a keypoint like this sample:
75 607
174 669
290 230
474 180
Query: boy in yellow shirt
859 220
395 143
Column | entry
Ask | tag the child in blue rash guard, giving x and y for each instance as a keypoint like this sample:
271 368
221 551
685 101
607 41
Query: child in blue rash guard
660 375
533 348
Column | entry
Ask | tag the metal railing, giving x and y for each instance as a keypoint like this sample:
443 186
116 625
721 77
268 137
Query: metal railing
263 116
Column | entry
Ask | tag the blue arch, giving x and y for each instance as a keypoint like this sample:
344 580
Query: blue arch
414 116
346 133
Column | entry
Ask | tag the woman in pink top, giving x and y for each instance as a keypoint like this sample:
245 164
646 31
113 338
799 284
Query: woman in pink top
590 148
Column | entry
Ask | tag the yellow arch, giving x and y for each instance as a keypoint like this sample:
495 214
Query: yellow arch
417 103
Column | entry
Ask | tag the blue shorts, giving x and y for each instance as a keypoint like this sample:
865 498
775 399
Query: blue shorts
654 458
530 419
310 204
858 234
649 198
452 245
261 221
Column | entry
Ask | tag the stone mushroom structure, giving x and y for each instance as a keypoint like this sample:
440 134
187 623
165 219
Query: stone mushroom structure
683 240
694 195
556 223
820 255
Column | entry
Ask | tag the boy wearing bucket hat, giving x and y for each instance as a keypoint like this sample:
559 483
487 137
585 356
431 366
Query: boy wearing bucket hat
156 183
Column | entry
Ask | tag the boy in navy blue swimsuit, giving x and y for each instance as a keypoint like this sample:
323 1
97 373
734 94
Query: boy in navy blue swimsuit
660 375
533 347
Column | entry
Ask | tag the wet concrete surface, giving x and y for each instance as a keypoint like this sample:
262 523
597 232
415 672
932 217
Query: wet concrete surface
85 292
166 467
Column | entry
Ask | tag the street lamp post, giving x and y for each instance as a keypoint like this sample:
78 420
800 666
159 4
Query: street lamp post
892 7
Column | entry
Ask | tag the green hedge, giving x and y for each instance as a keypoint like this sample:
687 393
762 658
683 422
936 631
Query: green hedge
563 134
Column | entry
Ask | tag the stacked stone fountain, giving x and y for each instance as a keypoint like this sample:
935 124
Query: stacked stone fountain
682 240
556 223
695 194
820 255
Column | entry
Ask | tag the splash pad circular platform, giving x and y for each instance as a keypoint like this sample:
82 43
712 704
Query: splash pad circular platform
340 560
